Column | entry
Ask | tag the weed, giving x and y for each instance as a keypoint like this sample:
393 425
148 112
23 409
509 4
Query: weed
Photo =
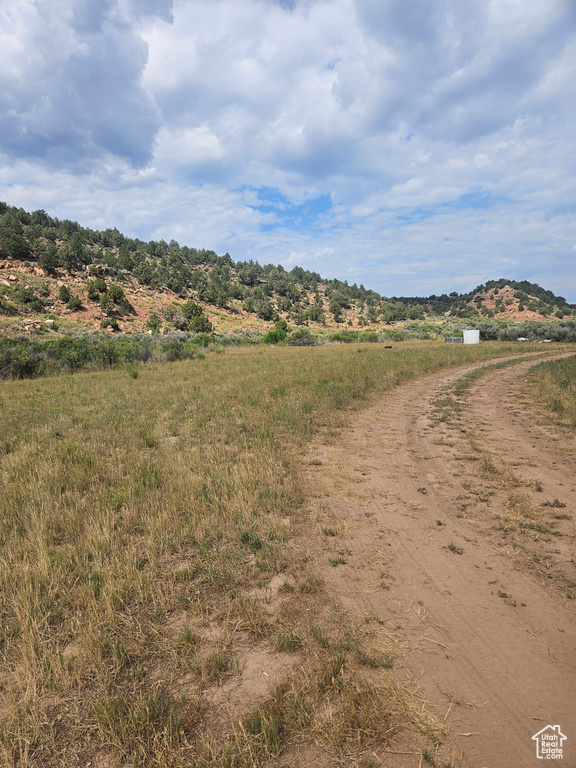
456 549
251 615
288 641
221 663
186 641
367 714
267 728
555 503
320 637
301 709
149 440
429 756
310 585
520 506
139 726
331 674
251 540
375 661
137 673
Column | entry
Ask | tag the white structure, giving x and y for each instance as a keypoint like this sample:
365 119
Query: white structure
471 337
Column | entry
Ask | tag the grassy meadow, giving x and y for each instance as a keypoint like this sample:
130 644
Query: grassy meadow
143 512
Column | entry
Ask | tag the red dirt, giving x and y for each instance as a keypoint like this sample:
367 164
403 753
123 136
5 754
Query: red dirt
481 615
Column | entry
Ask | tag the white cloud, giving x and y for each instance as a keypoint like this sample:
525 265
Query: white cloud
442 131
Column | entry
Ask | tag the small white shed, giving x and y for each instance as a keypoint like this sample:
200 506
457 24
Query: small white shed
472 337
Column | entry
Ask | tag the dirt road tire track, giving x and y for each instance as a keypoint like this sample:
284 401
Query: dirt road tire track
491 639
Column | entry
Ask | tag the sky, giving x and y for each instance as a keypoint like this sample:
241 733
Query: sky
412 146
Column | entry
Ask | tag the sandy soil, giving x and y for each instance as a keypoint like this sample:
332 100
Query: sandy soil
478 604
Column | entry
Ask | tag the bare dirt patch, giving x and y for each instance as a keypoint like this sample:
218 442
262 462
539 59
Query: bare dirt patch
446 516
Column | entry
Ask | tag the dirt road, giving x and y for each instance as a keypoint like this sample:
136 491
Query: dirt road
454 507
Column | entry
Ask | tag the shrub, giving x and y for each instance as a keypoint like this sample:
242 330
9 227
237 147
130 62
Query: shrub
346 336
275 336
48 258
200 324
74 303
106 304
116 294
172 350
92 291
107 352
314 314
154 322
64 294
302 338
202 339
28 297
110 322
191 309
264 310
17 361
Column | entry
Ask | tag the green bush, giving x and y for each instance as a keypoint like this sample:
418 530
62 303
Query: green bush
154 322
275 336
94 288
191 309
172 350
48 258
314 314
74 303
110 322
202 339
346 336
17 361
106 304
116 294
64 294
264 310
28 297
92 291
200 324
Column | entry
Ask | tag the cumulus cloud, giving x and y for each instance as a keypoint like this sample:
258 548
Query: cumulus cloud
70 79
430 143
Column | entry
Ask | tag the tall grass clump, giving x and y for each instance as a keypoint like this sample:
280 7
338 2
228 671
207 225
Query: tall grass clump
127 502
553 386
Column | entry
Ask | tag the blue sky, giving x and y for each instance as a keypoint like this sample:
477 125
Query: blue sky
416 147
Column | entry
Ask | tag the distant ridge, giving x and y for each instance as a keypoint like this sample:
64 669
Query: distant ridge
157 277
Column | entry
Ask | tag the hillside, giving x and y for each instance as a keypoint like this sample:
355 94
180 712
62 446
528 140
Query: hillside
56 271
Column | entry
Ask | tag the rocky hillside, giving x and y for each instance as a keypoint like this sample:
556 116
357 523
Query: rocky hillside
56 272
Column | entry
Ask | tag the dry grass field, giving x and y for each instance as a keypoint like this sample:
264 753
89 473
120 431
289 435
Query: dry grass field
553 386
147 526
